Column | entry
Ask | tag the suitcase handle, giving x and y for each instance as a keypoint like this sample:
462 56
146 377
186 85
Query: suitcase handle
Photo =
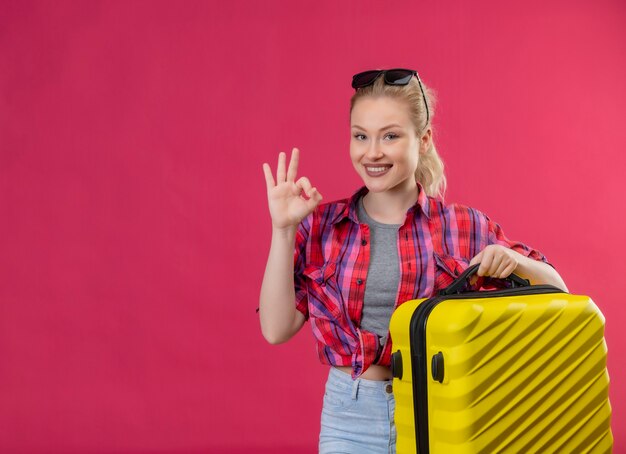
461 282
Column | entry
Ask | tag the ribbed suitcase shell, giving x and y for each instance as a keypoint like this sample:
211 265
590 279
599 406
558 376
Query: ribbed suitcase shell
524 370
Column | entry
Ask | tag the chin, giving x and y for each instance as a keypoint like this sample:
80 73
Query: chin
374 186
384 186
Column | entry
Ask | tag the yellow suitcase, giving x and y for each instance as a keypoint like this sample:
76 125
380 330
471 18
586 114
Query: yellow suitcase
520 369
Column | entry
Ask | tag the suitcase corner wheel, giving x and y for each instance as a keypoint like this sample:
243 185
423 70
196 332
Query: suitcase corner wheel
519 369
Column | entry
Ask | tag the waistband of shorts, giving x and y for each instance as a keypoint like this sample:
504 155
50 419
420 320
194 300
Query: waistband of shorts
347 378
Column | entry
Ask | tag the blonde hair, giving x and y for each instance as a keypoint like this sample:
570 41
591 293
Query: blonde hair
430 169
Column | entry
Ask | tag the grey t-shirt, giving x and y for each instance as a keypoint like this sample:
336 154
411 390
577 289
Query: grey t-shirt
383 276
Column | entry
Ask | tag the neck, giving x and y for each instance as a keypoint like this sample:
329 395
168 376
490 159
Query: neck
391 204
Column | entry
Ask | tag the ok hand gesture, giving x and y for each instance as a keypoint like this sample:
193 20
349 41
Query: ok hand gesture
287 207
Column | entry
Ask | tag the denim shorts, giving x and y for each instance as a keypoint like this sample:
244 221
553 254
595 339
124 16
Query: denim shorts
357 416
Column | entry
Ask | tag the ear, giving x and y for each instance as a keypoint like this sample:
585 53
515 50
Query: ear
425 141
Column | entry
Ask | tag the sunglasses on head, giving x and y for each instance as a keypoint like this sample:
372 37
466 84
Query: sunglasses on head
396 76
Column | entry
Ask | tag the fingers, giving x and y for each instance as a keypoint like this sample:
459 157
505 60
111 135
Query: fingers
476 259
494 262
313 195
281 174
293 165
304 184
269 178
508 270
315 198
485 263
501 268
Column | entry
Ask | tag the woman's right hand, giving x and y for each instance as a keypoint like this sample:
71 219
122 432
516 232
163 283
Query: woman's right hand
287 207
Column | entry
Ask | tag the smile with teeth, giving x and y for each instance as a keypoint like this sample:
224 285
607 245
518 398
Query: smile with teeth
378 170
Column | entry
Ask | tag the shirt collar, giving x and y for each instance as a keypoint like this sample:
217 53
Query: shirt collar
350 209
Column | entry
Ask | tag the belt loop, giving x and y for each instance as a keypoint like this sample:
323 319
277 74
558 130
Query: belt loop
355 388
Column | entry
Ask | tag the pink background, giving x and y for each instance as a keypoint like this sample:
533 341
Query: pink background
134 228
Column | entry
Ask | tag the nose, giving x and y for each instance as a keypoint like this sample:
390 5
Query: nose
374 151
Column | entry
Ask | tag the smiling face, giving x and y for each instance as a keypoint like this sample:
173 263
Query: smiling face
384 147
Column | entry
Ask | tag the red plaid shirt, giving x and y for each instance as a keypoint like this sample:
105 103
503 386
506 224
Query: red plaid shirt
331 261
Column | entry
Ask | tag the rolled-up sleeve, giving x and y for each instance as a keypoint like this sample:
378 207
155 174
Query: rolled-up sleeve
299 263
496 236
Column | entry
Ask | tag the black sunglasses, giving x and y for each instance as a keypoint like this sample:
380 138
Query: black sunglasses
396 76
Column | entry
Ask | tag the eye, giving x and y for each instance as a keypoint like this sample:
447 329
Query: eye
357 136
392 134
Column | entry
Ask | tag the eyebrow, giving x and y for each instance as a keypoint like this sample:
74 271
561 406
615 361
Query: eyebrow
382 129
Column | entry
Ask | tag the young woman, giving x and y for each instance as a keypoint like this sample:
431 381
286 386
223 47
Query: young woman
346 265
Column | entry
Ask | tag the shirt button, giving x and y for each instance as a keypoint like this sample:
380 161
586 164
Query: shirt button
363 242
359 281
